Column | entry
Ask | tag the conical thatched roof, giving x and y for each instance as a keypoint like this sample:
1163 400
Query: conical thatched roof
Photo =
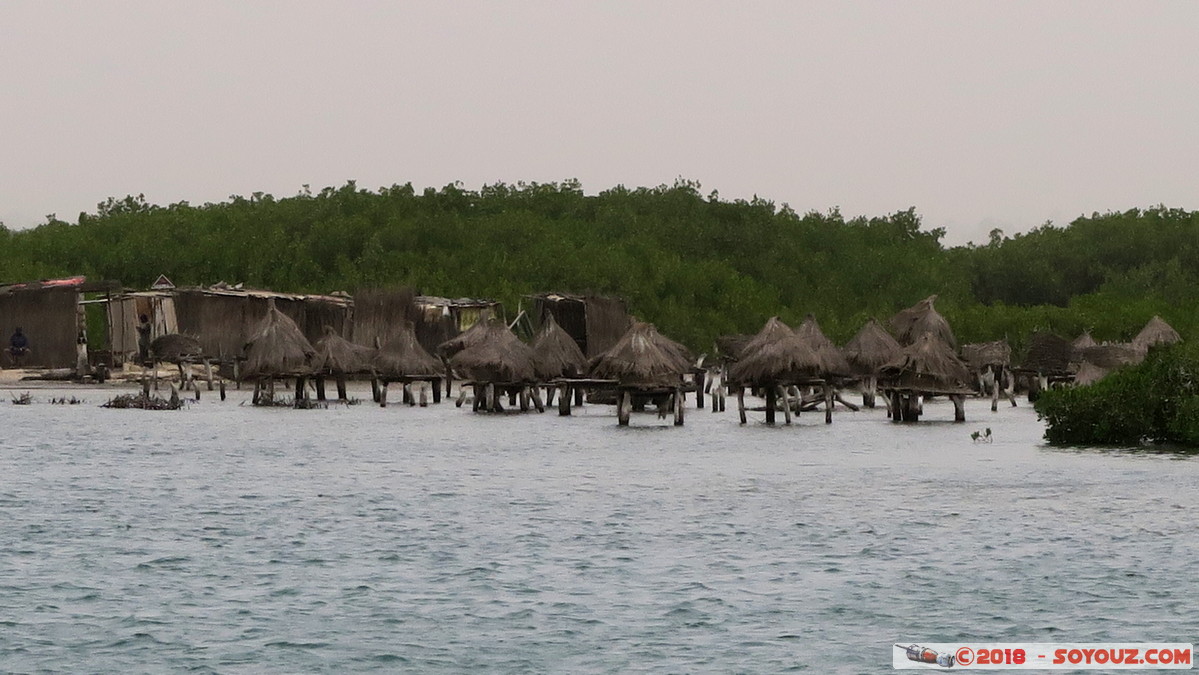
979 355
832 362
402 356
495 355
336 355
731 346
1083 341
911 323
776 355
642 357
1157 331
928 365
1048 354
1089 373
871 349
555 352
277 347
176 348
465 339
1108 356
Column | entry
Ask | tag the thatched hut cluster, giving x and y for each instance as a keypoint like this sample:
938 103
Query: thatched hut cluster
912 323
928 366
773 360
494 362
277 349
644 364
871 348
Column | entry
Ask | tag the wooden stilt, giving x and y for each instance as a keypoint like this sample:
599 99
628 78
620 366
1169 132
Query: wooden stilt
524 399
341 388
680 406
254 400
896 406
174 397
424 393
383 394
741 403
771 400
208 372
997 372
237 372
959 407
320 387
221 388
375 389
699 389
786 405
406 394
828 403
537 404
869 388
549 394
436 386
564 400
512 398
578 396
623 408
477 401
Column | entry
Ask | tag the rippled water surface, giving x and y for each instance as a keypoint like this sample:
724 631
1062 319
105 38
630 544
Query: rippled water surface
223 538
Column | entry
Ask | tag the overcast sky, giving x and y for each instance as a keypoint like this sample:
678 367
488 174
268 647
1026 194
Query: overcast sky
979 114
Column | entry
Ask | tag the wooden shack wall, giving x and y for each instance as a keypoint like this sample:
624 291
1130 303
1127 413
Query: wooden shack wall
378 313
607 322
571 315
219 322
50 320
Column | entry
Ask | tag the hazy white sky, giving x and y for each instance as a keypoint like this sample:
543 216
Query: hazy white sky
979 114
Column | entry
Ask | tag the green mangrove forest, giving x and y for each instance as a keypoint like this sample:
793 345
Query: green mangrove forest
696 265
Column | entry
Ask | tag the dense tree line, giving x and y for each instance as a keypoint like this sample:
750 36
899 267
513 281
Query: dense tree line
696 265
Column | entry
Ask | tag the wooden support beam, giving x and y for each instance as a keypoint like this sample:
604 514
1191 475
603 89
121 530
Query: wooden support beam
959 407
536 394
624 406
680 405
699 389
828 403
435 385
786 405
741 403
341 388
320 387
563 400
771 401
383 395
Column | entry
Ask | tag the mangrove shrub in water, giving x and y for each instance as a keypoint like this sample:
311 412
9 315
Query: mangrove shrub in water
1155 401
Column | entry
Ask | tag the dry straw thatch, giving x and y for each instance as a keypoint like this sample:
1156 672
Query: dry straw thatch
1109 356
555 352
730 346
1048 354
402 356
495 355
870 349
912 323
928 365
832 361
277 347
776 355
643 357
465 339
176 348
1083 341
1089 373
1157 331
336 355
980 355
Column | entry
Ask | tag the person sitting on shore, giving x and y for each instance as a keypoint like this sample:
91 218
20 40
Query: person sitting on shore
18 347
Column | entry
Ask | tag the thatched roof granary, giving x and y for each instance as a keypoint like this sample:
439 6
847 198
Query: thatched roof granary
277 347
981 355
832 362
555 353
1083 341
1157 331
496 355
1089 373
1109 356
729 347
929 366
176 348
467 338
402 356
336 355
776 355
642 357
870 349
912 323
1048 354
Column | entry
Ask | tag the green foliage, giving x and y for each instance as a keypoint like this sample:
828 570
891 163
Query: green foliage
1155 401
697 266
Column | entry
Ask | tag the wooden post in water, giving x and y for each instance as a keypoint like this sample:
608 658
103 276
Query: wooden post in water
341 388
771 401
221 386
699 388
578 397
383 394
741 402
477 399
537 404
524 399
959 407
786 404
436 386
320 387
424 393
550 390
375 392
406 393
869 387
828 403
997 373
680 405
208 372
623 407
564 400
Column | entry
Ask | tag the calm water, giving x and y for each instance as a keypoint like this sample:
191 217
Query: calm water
229 539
